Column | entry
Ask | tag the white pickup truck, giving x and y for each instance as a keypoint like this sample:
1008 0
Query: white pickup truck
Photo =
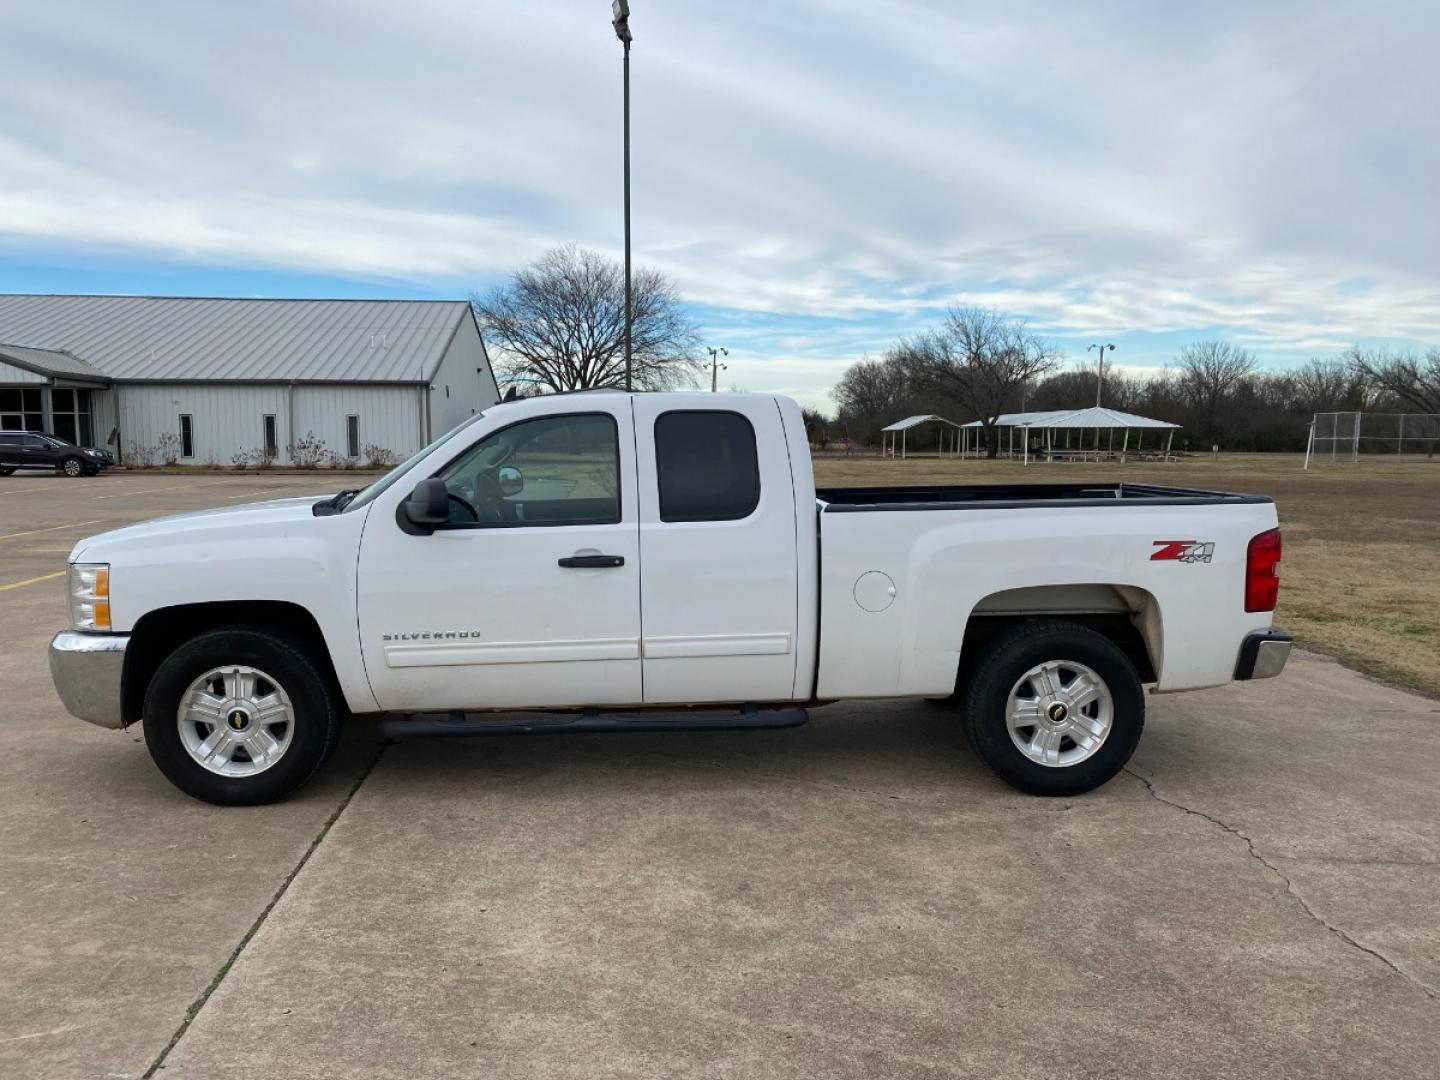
619 562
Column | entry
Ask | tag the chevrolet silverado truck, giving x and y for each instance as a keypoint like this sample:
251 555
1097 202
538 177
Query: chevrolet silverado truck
606 561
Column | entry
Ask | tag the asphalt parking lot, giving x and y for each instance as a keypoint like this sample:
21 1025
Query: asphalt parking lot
1257 896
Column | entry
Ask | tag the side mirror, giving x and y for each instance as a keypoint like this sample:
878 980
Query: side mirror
511 481
424 508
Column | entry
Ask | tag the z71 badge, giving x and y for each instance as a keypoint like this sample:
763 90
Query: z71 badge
1191 551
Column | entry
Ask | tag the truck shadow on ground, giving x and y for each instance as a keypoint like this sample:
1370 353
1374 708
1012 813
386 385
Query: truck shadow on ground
900 749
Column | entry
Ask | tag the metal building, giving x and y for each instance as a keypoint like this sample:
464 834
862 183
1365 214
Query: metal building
213 380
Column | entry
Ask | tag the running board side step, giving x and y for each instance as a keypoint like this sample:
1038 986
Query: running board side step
472 725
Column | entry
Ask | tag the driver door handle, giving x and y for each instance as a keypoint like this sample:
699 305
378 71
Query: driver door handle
593 562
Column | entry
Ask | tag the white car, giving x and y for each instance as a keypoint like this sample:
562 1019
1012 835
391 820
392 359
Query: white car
612 561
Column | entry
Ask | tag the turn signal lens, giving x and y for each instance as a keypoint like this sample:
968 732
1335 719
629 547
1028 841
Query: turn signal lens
1262 571
90 596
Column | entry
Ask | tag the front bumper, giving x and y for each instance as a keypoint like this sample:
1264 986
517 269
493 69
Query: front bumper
1263 654
87 669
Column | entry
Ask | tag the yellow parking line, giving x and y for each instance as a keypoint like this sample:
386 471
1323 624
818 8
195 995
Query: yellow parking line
33 580
53 528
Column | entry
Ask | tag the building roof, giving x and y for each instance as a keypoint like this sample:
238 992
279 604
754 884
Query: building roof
916 421
51 362
167 338
1093 417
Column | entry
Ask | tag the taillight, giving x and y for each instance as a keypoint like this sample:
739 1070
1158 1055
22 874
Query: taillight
1262 571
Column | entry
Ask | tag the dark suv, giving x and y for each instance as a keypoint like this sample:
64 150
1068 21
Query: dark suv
31 450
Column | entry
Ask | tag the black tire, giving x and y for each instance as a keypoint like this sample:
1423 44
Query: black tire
315 702
6 471
985 700
72 466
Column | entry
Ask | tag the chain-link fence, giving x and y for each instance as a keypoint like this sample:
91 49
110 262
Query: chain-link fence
1344 436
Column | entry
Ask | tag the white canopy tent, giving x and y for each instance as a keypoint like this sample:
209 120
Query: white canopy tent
1094 419
901 428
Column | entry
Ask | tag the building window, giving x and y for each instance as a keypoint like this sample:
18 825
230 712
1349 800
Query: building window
70 415
272 445
20 410
352 435
708 466
187 436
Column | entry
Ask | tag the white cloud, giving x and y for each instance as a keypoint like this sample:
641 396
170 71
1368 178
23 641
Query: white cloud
1108 169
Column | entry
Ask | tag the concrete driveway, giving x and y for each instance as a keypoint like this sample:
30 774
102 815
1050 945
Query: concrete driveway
1258 895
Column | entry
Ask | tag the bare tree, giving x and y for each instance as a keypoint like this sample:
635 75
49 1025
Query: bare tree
1209 372
869 395
980 359
559 324
1329 386
1412 379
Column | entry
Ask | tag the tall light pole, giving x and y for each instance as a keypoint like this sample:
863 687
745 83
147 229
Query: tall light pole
1100 369
715 366
620 19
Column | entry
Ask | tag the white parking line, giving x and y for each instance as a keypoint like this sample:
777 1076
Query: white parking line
262 491
141 491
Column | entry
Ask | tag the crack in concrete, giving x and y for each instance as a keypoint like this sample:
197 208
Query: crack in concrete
1427 990
199 1003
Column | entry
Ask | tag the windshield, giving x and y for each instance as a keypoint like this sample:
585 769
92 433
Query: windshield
370 493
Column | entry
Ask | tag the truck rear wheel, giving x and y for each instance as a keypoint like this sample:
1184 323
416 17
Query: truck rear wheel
1054 708
241 716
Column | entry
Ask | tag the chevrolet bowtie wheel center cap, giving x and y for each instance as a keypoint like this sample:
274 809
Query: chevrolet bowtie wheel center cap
238 719
1058 713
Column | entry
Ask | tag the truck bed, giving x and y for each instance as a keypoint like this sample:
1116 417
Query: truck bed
1019 496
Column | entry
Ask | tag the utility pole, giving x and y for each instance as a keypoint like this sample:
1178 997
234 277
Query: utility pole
715 366
1100 369
620 19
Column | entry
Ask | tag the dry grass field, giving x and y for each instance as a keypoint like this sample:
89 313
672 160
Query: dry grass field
1361 577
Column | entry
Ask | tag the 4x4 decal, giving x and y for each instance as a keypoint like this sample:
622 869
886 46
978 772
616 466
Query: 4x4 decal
1188 551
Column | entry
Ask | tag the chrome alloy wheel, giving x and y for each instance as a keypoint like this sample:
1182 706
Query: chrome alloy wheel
236 721
1059 713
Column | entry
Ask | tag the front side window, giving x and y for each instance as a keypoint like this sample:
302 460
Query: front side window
550 471
708 466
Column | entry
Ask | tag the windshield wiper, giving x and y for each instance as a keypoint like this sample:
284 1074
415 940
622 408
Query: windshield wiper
334 504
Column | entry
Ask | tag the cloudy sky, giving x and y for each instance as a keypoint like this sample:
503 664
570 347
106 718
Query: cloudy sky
818 177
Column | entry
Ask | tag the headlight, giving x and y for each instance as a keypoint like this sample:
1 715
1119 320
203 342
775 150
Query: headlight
90 596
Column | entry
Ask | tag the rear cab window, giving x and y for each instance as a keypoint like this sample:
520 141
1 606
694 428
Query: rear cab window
707 466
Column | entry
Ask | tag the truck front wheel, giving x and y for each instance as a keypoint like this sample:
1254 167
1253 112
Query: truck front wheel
1054 708
241 716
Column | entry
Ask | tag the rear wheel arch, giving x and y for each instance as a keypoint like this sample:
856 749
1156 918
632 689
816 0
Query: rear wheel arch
1126 615
159 633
